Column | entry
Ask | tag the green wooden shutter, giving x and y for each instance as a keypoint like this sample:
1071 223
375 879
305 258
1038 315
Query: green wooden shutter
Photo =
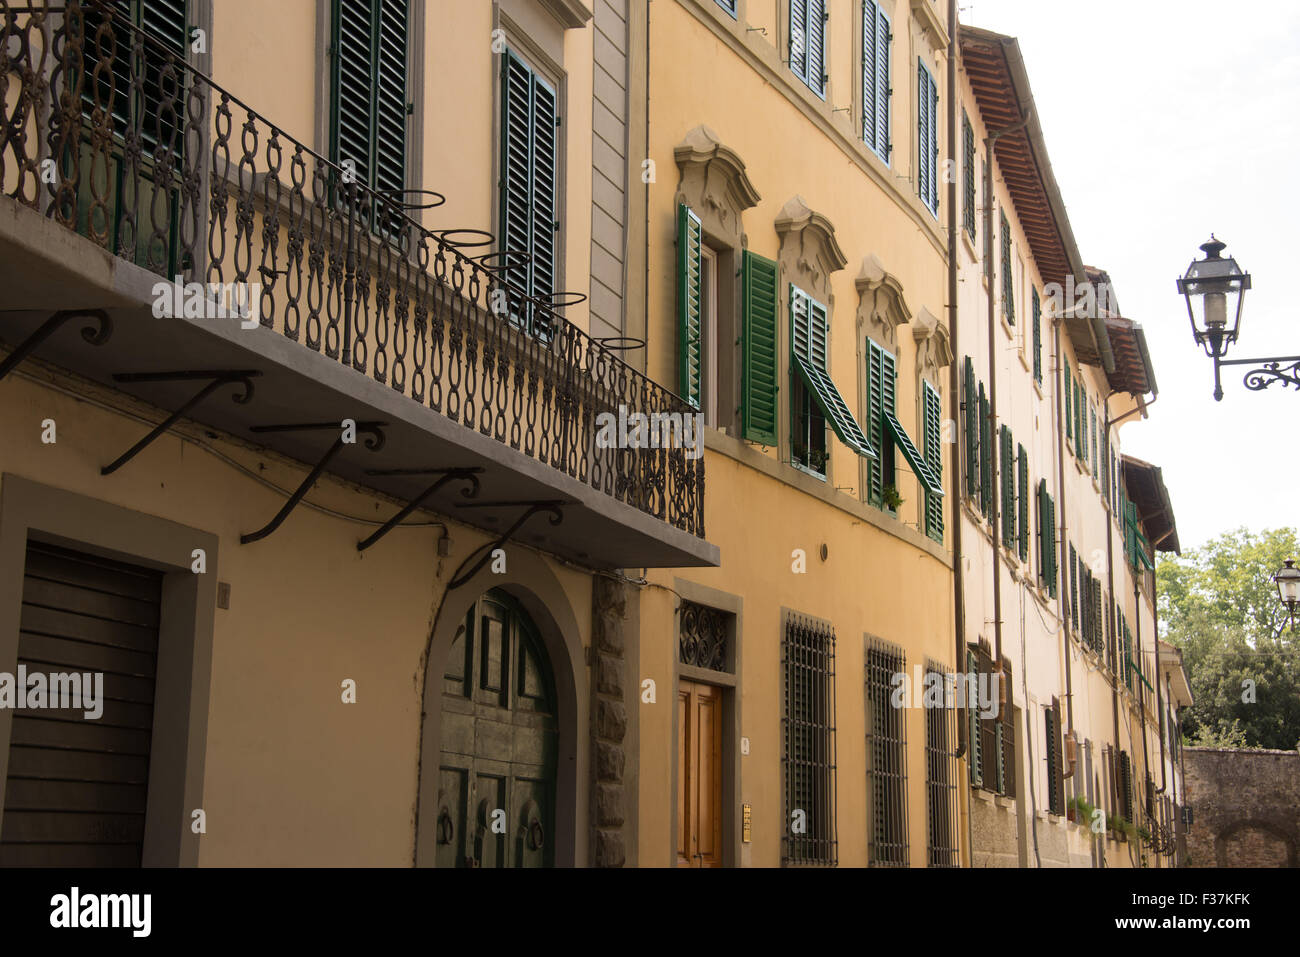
987 452
690 253
1092 428
1074 586
927 137
974 757
389 82
1080 421
1069 411
368 105
1038 337
1049 727
1008 281
881 372
971 409
1022 517
759 382
1007 476
1051 547
934 459
968 174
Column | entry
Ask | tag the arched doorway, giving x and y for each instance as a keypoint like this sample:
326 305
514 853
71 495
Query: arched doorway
499 742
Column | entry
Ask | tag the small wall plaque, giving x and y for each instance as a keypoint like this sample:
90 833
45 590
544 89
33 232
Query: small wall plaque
746 823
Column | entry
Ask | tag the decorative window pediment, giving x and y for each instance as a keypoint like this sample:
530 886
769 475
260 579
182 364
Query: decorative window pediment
881 307
714 183
933 347
809 251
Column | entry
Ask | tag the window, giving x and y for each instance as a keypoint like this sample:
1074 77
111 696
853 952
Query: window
808 759
1092 427
932 415
1124 786
1022 500
1046 538
1055 759
986 454
529 118
368 102
927 137
968 175
970 409
1037 308
1008 281
697 316
1069 413
759 374
815 401
808 43
992 736
876 90
729 6
1074 586
1007 475
704 638
888 434
940 777
886 758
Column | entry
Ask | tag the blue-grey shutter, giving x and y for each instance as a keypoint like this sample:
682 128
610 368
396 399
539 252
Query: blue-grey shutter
932 428
368 106
690 251
808 42
875 79
884 34
923 132
799 38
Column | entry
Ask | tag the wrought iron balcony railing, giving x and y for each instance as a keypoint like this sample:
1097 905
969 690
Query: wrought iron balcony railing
113 134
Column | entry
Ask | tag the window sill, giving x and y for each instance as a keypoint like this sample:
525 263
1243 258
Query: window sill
970 245
1007 327
981 794
1002 801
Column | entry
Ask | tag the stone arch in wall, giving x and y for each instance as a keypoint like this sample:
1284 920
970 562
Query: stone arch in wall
1255 842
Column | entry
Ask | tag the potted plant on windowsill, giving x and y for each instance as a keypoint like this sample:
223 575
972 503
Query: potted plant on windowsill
1119 828
1079 810
889 495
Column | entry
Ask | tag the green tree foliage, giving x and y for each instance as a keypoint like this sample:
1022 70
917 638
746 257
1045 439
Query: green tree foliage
1220 606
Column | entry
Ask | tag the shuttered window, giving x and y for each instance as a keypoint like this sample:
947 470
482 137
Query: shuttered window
808 43
941 778
927 137
759 347
933 414
1008 280
876 92
1008 485
808 757
529 118
165 22
728 5
970 409
1092 428
816 399
1052 747
368 105
986 454
975 757
75 790
690 267
1047 538
1074 586
1080 421
1022 501
880 396
968 175
1069 404
1037 307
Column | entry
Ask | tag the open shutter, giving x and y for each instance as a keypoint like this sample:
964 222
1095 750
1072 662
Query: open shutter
1051 547
875 79
368 108
1008 489
690 251
1092 416
1022 503
970 407
1069 406
881 366
923 149
986 454
973 756
759 386
389 81
1058 731
799 38
884 92
933 458
817 46
1008 282
351 104
1052 755
810 334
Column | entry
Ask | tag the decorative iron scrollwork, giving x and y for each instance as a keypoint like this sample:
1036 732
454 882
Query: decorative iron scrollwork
703 637
1272 373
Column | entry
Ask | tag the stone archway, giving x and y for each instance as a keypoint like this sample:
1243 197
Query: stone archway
1254 843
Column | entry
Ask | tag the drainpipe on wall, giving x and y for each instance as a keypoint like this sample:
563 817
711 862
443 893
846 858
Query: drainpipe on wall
954 390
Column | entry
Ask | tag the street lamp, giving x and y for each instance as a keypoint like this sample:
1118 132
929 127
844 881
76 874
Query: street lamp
1215 290
1288 587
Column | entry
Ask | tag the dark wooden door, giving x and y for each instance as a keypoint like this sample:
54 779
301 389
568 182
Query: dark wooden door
76 787
699 775
496 801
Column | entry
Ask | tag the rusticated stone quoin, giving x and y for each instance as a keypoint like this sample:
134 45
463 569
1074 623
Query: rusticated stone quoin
609 723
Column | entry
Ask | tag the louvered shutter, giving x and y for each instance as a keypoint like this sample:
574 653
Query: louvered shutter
924 153
1080 421
1096 448
1022 515
369 103
1008 283
759 386
799 38
1038 337
1052 755
968 174
1008 481
544 161
389 80
1051 548
884 91
1074 587
1006 720
971 407
1058 730
1069 408
974 758
875 79
875 426
817 46
987 453
933 458
690 251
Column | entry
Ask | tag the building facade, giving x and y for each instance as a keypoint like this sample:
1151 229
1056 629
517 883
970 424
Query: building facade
493 286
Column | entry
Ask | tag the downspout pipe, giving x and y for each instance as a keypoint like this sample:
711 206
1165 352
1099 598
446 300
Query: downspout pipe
1061 584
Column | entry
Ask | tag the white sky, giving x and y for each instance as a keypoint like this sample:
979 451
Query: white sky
1167 120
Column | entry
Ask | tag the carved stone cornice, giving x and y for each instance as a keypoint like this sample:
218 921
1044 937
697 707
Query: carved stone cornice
933 345
881 307
808 244
713 181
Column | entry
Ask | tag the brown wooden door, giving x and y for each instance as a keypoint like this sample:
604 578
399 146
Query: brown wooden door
699 775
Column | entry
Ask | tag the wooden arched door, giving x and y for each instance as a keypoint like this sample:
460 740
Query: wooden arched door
496 775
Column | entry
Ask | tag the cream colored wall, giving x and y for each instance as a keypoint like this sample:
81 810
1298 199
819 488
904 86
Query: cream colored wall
706 69
293 775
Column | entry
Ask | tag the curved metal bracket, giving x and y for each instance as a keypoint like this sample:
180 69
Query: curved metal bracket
1271 370
444 476
484 552
374 442
217 378
96 337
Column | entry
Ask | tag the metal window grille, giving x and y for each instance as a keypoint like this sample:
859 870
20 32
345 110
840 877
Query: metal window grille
704 637
808 762
886 758
941 775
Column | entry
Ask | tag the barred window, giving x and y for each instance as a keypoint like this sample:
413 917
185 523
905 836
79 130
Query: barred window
886 757
993 738
808 761
704 637
941 775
